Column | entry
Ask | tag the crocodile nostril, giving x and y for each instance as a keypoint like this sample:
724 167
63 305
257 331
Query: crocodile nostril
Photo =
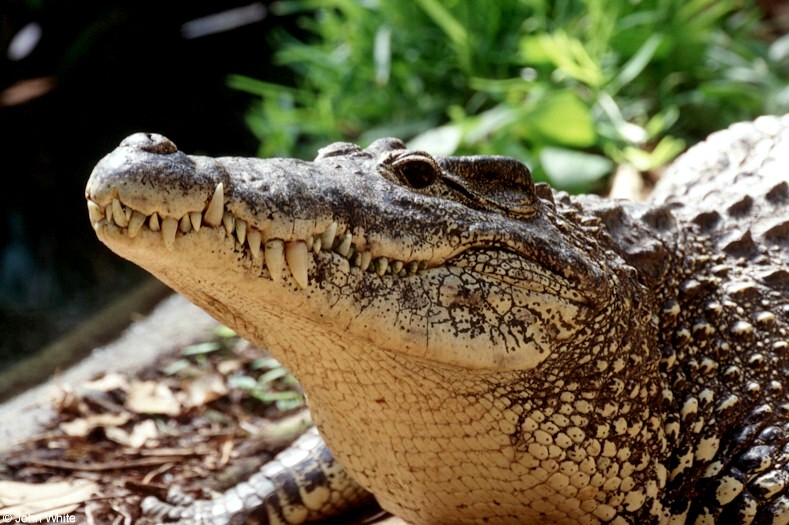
150 142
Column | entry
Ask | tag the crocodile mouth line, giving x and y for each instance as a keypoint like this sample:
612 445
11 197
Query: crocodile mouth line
274 253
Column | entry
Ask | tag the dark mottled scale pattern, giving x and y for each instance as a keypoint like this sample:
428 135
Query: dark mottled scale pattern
711 246
730 281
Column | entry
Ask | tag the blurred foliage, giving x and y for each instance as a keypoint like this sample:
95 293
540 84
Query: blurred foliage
572 87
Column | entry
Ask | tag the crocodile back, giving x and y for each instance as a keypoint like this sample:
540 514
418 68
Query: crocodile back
735 188
725 327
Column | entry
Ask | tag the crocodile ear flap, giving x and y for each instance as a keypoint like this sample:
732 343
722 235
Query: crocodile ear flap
501 181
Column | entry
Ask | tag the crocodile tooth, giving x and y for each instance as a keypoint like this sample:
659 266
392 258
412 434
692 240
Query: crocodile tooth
381 264
229 222
296 257
275 258
356 260
185 225
253 239
412 267
241 230
213 214
169 227
196 218
153 222
316 246
396 267
108 214
344 248
135 223
310 242
128 212
118 215
327 238
94 212
365 260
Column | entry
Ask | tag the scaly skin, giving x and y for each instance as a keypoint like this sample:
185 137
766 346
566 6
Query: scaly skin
478 349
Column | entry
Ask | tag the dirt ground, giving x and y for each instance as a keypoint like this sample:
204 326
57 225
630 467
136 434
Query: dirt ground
176 399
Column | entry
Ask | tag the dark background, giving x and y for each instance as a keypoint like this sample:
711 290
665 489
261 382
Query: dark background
96 75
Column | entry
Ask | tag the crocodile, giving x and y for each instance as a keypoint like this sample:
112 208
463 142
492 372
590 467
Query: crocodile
476 347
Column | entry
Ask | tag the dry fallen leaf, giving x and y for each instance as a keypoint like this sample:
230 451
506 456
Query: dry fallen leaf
109 382
35 502
81 427
204 389
152 397
141 433
228 366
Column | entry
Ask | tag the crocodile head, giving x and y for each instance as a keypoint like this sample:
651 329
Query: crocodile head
429 251
384 277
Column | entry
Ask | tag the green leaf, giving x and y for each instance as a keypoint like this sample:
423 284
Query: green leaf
272 397
561 117
454 30
283 405
520 84
621 128
382 55
201 348
224 332
176 366
573 170
242 382
272 375
259 87
663 153
779 50
662 121
480 127
443 140
534 50
699 15
266 363
444 19
567 53
636 64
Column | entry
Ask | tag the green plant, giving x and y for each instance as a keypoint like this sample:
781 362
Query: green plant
573 87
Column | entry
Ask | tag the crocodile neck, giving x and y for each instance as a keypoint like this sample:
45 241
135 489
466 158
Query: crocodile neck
575 438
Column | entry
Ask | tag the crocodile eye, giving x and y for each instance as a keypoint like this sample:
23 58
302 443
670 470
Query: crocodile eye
417 170
493 180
